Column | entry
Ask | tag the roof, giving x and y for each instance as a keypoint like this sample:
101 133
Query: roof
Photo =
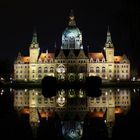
98 55
118 59
26 59
43 114
71 32
43 56
47 56
25 110
118 110
99 114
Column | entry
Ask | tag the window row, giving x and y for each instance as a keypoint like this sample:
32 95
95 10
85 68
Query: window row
119 66
103 70
45 70
40 70
97 69
17 67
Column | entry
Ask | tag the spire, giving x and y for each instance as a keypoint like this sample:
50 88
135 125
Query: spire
108 43
34 43
88 48
72 19
108 39
47 51
19 55
55 46
34 39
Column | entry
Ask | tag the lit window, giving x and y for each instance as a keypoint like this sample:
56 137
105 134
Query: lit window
97 70
103 69
51 69
39 76
91 69
45 70
39 71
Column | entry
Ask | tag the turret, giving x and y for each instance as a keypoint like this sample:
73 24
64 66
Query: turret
34 49
109 48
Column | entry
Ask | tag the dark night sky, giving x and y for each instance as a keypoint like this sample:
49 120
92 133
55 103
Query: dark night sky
18 18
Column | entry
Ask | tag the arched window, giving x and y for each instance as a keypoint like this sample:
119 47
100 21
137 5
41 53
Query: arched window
91 69
51 69
110 70
39 70
103 69
39 76
45 69
97 70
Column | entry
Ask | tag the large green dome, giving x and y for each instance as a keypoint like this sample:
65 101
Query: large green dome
72 32
72 37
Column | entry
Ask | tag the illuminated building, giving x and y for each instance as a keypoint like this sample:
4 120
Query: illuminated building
72 62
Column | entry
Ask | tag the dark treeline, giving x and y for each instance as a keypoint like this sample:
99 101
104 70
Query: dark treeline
91 85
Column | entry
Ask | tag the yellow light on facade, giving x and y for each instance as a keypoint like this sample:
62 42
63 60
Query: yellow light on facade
81 94
118 90
61 101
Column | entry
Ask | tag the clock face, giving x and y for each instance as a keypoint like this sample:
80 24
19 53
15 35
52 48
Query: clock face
60 69
61 101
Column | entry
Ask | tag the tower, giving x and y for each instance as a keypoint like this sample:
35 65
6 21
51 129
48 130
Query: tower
34 49
109 48
34 54
110 112
72 37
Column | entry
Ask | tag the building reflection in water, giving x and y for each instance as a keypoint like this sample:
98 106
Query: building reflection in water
72 107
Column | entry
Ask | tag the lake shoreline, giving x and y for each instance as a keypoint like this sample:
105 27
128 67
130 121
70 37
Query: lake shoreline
105 84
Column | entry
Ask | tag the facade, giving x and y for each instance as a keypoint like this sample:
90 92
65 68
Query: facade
72 62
